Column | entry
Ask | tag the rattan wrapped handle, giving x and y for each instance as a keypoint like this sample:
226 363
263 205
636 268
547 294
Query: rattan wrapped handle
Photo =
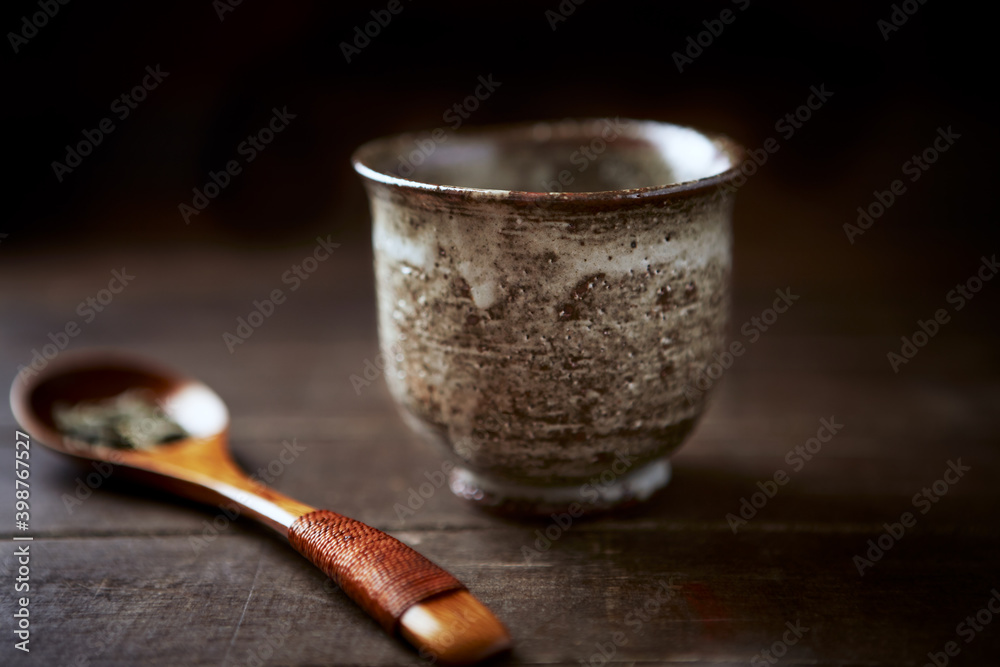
383 575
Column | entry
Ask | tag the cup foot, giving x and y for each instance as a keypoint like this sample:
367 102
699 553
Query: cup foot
508 497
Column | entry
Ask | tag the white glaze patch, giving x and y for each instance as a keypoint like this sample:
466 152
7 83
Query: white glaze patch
397 247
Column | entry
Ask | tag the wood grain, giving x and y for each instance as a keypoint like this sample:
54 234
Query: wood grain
128 576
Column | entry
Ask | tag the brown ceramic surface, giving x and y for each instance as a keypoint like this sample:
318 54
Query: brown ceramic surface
541 336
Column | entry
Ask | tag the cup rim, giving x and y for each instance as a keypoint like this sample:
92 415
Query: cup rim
364 156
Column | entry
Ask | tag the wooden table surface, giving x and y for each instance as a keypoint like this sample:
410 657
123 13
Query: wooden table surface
124 576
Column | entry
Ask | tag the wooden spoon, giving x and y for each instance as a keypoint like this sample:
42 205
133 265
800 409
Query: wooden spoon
400 588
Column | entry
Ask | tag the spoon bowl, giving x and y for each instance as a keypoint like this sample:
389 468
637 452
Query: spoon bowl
401 589
101 374
198 467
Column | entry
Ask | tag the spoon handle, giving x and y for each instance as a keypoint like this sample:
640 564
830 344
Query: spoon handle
377 571
400 588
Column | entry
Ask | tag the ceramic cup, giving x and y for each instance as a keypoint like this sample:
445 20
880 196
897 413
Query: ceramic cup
547 295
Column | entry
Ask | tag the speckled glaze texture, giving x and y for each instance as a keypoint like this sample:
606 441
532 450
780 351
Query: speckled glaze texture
538 336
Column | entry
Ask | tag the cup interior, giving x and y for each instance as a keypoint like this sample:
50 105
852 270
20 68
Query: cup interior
597 155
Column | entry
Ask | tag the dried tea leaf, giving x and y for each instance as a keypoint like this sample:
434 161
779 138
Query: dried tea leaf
130 420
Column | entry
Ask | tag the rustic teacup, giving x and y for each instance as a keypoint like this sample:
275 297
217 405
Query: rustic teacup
549 292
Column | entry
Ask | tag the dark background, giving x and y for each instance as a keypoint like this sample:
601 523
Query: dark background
606 59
